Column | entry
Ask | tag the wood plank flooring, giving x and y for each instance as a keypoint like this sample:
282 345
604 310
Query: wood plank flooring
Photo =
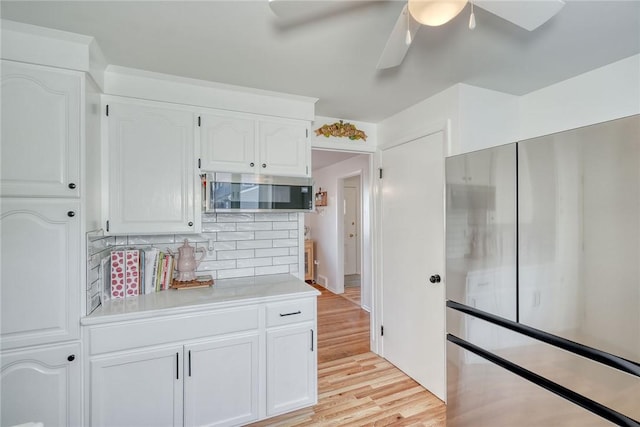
343 327
355 386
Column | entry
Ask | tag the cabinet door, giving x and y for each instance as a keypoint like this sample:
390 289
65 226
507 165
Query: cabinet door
40 131
228 144
221 382
291 368
284 149
151 169
39 304
42 385
138 389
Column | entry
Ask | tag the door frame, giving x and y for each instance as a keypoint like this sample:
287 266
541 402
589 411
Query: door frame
377 320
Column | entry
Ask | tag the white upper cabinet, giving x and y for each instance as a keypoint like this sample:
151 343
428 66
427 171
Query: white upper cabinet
240 143
151 169
284 148
41 264
227 144
40 131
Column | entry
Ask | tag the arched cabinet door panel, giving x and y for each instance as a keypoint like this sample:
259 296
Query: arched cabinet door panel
42 385
40 131
39 292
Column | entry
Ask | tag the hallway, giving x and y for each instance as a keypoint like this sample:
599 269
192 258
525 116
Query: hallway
355 386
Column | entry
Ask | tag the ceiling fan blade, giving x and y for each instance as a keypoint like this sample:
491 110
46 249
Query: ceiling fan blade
300 10
528 14
396 47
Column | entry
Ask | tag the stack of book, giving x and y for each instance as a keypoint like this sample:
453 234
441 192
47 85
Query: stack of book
136 272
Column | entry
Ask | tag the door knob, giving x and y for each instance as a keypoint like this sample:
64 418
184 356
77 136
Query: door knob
435 278
350 235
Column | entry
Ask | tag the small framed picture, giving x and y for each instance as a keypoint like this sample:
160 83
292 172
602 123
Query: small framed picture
321 198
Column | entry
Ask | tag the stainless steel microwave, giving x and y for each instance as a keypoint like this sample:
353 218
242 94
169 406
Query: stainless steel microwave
229 192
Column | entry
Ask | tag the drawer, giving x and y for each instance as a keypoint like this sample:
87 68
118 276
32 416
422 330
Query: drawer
295 311
148 332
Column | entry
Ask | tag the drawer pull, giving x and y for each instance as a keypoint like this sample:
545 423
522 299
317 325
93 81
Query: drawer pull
290 314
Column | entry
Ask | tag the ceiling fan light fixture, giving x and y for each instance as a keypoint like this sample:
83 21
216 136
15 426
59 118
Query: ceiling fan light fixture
435 12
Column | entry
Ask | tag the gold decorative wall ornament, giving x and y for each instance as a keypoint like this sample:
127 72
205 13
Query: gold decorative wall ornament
341 130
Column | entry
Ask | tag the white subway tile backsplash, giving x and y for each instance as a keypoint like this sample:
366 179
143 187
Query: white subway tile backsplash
192 238
235 217
276 269
239 272
209 218
244 244
285 243
212 227
148 240
255 244
279 234
260 253
285 260
281 225
216 265
246 253
226 246
272 216
236 235
254 262
252 226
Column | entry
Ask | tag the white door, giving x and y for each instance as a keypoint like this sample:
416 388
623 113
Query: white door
138 389
42 385
221 380
350 230
151 167
40 131
412 251
39 305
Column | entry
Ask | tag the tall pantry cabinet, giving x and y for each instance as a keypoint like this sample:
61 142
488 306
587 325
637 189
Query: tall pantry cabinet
44 215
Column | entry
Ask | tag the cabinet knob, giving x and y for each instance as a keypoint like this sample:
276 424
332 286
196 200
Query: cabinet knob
190 224
71 357
252 164
264 165
71 214
72 185
435 278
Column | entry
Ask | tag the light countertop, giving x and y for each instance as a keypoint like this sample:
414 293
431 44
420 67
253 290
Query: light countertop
224 293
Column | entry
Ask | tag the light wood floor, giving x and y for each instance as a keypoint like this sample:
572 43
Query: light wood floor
355 386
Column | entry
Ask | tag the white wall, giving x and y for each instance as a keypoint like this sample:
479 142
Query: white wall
482 118
326 225
606 93
420 118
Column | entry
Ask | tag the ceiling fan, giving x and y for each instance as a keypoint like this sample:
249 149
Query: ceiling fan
527 14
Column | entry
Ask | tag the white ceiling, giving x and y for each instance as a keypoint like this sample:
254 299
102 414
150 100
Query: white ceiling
333 57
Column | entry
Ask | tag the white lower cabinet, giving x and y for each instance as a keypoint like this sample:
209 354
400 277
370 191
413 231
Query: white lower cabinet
221 382
205 368
41 385
142 388
291 368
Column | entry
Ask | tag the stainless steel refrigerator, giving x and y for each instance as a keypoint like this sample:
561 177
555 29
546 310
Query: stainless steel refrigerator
543 280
